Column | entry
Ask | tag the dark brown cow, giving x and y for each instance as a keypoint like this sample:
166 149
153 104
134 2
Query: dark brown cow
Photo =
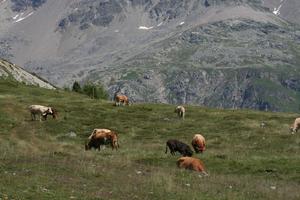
182 148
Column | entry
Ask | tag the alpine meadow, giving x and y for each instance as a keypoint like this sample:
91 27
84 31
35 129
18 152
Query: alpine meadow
149 99
47 160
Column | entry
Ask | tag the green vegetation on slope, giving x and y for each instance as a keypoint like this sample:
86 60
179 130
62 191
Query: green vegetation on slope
39 160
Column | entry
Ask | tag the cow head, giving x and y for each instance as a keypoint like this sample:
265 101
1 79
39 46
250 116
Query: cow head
126 102
54 113
292 130
113 139
176 110
87 146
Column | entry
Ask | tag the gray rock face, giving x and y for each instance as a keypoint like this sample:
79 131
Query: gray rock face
21 5
9 70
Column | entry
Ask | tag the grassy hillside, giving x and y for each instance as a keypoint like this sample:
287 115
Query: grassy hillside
39 160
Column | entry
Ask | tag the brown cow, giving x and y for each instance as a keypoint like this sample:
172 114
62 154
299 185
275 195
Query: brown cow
121 99
192 164
295 126
198 143
102 137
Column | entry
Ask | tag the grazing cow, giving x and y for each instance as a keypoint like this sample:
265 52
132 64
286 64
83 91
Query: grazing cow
192 164
182 148
40 111
121 99
180 110
102 137
295 126
198 143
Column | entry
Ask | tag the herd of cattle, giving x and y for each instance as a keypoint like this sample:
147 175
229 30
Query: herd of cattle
105 136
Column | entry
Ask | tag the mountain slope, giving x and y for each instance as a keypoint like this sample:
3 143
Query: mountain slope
141 48
15 72
244 161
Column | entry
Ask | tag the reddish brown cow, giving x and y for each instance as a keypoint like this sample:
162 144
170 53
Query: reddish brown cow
121 99
198 143
192 164
102 137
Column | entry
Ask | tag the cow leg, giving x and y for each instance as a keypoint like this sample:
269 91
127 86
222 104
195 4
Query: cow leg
32 117
172 152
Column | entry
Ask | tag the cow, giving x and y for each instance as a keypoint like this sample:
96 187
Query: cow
295 126
40 111
102 137
121 99
180 110
182 148
191 164
198 143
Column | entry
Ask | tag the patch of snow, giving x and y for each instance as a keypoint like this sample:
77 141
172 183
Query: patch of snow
159 24
145 28
276 11
181 23
15 17
22 18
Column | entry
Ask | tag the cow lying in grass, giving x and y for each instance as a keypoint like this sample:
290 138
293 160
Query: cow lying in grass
121 99
102 137
180 110
198 143
191 164
182 148
295 126
41 111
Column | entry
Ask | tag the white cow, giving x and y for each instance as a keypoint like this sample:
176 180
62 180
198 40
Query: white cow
40 111
180 110
295 126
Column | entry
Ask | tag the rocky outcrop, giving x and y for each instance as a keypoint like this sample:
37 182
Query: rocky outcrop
15 72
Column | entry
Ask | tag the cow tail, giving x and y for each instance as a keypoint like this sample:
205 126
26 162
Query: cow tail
166 149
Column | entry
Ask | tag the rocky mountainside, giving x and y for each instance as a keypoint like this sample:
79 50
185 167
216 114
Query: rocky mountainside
13 71
221 53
